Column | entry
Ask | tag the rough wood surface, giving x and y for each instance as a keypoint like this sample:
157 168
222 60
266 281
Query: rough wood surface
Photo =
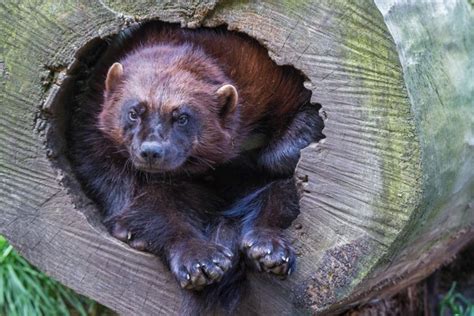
388 191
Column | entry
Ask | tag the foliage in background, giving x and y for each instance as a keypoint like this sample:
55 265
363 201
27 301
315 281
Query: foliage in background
25 291
456 304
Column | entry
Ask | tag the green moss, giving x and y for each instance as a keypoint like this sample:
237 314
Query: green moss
436 42
34 36
294 5
385 108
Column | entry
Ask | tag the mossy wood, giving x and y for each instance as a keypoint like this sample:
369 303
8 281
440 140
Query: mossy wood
387 196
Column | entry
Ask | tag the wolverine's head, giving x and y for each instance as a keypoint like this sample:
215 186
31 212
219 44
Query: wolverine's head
170 108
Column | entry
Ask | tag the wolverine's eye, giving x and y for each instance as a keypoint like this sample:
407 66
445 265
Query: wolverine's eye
182 119
132 115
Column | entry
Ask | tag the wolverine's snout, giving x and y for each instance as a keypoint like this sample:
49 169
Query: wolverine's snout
151 152
156 156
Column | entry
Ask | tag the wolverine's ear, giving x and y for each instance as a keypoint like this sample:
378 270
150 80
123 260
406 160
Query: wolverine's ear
114 75
228 96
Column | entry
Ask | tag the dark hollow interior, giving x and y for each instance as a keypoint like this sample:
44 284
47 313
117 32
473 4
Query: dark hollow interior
65 106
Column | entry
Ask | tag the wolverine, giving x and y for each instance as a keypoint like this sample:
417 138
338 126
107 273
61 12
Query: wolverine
188 140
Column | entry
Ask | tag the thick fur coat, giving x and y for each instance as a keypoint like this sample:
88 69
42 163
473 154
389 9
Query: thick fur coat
187 140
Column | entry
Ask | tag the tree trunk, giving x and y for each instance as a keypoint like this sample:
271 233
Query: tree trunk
387 197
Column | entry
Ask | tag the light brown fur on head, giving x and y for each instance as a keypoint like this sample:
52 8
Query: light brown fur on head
164 79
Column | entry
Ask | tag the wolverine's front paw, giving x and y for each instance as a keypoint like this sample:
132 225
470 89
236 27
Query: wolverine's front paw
267 250
199 263
121 232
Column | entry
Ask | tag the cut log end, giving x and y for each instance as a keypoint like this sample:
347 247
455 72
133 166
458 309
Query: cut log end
384 197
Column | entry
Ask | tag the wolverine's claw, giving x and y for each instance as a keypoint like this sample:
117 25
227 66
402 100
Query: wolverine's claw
200 265
268 252
248 244
228 253
121 231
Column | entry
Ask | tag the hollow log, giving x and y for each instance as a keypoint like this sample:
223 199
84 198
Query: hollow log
387 197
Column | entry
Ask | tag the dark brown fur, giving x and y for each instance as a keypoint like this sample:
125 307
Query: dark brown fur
221 194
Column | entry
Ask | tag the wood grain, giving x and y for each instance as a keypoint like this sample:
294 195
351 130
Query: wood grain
381 196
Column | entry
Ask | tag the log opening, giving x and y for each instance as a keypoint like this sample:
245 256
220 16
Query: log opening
64 101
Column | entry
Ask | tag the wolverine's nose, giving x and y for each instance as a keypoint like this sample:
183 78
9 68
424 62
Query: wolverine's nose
151 151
